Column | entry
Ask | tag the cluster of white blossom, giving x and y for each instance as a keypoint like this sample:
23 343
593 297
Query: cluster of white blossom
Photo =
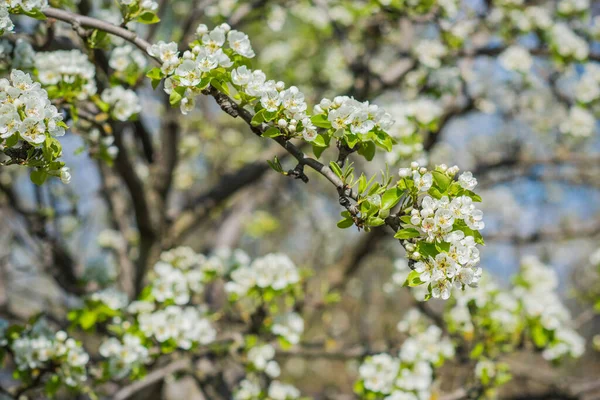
225 259
430 52
181 272
173 283
185 326
288 103
282 391
20 55
261 358
420 112
570 7
410 375
532 304
111 297
288 326
123 57
124 103
537 291
142 5
38 348
567 44
502 307
124 356
188 75
70 67
516 58
25 108
204 57
360 118
9 6
579 123
250 389
453 223
273 271
6 23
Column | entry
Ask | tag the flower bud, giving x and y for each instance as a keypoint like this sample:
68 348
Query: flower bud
325 104
416 255
65 175
414 165
423 170
317 109
280 85
292 128
225 26
443 167
282 123
201 29
293 121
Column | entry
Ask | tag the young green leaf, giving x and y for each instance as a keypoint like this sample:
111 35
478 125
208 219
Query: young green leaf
413 279
407 233
336 169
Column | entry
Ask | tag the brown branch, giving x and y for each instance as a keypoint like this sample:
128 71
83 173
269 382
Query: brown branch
152 378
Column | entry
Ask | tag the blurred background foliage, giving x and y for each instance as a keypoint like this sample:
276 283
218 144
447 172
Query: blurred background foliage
541 186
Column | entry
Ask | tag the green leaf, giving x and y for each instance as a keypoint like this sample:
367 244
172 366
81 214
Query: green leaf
405 219
270 115
475 197
35 13
336 169
539 335
427 249
345 223
220 86
87 319
176 95
148 17
375 221
413 279
52 385
362 183
477 351
367 150
155 73
317 150
271 132
276 165
435 193
384 140
258 118
351 139
442 180
38 176
407 233
321 121
390 198
12 140
320 141
98 39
